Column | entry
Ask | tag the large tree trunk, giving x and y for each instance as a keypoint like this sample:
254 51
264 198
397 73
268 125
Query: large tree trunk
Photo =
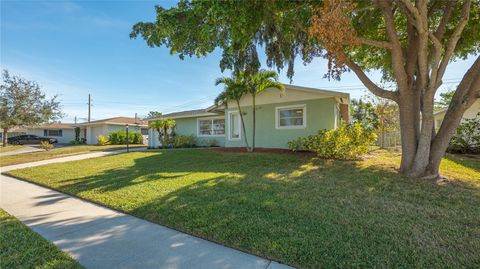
4 137
422 152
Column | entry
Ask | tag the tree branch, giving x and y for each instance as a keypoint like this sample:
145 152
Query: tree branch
453 41
442 26
375 43
371 86
412 11
397 53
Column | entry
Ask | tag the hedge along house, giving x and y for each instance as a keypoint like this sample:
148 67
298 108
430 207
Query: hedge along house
91 130
63 132
299 112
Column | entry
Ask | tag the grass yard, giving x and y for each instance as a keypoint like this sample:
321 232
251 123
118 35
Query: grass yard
21 247
56 153
9 148
302 211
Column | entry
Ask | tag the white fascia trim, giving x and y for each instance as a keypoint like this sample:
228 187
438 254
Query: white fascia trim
321 91
277 117
209 118
111 123
239 126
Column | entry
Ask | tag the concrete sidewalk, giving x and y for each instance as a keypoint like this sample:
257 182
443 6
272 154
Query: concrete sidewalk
99 237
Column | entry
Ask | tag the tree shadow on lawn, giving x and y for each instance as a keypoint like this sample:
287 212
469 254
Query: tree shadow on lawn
306 212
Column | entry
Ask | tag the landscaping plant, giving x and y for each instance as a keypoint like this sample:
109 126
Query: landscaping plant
46 146
165 129
120 137
184 141
102 140
347 142
467 137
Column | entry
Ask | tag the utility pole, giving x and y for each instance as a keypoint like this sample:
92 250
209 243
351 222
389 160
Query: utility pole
89 106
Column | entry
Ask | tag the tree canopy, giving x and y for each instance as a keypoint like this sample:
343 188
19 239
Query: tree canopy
410 42
281 29
24 104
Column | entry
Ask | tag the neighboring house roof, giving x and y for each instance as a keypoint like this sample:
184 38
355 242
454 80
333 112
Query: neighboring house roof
115 121
53 126
443 109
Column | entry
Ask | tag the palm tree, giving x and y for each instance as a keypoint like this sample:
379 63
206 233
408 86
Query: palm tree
257 83
235 89
162 126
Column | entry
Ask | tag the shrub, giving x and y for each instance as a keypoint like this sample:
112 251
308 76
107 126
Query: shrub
119 137
76 142
102 140
184 141
347 142
46 145
467 137
297 144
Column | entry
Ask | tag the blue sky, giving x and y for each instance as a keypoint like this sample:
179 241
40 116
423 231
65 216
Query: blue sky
73 48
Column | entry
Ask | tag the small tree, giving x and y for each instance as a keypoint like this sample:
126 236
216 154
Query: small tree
257 83
154 114
363 112
24 104
445 99
235 89
387 115
162 126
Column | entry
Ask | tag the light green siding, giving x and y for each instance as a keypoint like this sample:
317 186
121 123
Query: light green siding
188 126
320 114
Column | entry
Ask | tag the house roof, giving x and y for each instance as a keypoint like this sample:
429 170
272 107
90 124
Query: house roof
186 114
211 111
54 126
116 121
315 90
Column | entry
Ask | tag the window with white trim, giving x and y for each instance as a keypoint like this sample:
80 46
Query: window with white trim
291 117
211 127
234 126
53 132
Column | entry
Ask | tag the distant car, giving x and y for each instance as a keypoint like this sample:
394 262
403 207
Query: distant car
29 139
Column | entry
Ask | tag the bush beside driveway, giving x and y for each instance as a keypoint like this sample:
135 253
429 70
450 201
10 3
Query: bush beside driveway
302 211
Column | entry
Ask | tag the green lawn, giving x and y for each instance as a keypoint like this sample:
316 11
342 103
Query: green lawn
302 211
56 153
21 247
9 148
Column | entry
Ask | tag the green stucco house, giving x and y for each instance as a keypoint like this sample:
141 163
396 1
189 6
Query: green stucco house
299 112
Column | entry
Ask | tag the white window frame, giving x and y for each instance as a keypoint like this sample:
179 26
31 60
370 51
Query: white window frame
58 132
211 119
230 138
277 117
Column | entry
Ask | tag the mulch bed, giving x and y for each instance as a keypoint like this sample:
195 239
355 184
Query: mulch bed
265 150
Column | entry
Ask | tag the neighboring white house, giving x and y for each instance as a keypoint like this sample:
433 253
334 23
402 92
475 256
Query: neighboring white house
63 132
470 113
90 130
